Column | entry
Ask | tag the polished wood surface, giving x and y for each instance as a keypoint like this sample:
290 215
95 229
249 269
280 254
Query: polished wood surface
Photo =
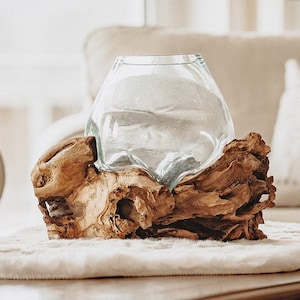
263 286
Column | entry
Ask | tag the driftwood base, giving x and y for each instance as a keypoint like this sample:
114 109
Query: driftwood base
224 202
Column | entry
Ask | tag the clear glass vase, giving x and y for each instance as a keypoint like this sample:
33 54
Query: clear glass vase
163 114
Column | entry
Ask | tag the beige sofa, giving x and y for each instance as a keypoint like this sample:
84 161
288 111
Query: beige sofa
249 69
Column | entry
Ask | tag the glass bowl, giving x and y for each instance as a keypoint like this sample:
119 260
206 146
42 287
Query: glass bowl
163 114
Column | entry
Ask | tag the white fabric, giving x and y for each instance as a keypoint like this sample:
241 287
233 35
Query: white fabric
30 255
285 154
286 137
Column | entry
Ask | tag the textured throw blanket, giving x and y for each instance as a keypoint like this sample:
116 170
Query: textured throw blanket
29 254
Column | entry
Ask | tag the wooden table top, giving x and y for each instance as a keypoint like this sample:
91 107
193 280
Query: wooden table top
263 286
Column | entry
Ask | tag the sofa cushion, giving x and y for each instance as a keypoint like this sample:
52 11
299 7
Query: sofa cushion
284 158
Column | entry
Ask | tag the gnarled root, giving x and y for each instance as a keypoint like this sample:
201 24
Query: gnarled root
223 202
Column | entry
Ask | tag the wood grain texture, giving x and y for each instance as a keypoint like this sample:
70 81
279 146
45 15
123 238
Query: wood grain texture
223 202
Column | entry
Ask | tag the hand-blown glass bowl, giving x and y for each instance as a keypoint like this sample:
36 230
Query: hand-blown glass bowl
163 114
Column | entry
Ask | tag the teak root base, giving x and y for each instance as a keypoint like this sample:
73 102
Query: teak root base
224 202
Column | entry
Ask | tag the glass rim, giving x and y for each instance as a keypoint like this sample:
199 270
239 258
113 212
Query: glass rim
159 59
